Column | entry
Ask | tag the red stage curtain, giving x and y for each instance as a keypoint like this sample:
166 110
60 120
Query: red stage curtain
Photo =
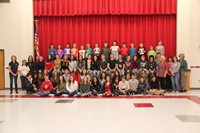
103 7
100 28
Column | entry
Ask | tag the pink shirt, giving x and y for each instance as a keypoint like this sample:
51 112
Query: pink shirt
162 68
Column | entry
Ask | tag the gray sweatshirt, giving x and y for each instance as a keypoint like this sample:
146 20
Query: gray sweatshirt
175 67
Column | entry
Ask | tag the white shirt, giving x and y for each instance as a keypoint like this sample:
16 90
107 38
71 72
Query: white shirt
124 85
72 87
114 48
24 70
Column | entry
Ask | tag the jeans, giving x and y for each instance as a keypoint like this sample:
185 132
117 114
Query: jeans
87 93
96 73
175 81
43 94
11 82
70 93
22 82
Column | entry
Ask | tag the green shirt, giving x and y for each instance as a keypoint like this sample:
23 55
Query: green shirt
84 88
152 53
88 52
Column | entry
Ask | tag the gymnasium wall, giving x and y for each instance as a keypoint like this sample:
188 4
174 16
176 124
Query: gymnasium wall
16 33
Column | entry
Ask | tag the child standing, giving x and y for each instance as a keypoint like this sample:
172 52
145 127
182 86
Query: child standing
132 51
151 52
52 52
67 50
96 50
82 52
141 50
88 50
124 51
74 51
59 51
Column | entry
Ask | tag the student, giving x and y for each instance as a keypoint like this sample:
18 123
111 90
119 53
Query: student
66 75
46 87
132 50
49 65
71 87
108 87
124 51
175 75
89 64
52 51
142 87
35 81
116 79
82 52
76 75
162 72
104 65
40 65
84 88
67 50
81 64
151 66
102 78
95 67
115 50
84 74
183 72
95 86
136 65
168 77
128 65
64 63
158 58
112 64
29 86
151 52
23 71
155 86
13 73
96 50
59 51
74 51
54 79
160 48
57 64
31 64
105 51
143 64
88 50
141 50
121 65
72 63
133 84
123 86
61 86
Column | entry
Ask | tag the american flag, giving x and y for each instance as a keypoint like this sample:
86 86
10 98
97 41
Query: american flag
36 41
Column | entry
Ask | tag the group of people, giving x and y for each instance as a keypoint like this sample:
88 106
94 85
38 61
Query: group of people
107 71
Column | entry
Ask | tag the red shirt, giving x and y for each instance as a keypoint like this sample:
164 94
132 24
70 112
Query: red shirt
168 67
77 78
49 65
46 86
162 68
124 51
107 87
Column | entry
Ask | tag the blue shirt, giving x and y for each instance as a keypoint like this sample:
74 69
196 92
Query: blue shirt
132 52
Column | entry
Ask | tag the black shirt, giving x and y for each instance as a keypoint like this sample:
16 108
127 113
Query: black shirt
31 66
120 64
154 85
14 66
112 63
103 64
95 65
40 65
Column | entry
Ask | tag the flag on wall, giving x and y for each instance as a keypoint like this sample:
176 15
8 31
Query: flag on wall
36 41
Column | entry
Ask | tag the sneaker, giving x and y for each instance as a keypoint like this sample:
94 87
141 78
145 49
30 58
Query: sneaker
11 92
16 92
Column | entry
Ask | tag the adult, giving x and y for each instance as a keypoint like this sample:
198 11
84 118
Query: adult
183 72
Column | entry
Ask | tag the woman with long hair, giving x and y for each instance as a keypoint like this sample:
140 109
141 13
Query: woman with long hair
13 74
84 88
